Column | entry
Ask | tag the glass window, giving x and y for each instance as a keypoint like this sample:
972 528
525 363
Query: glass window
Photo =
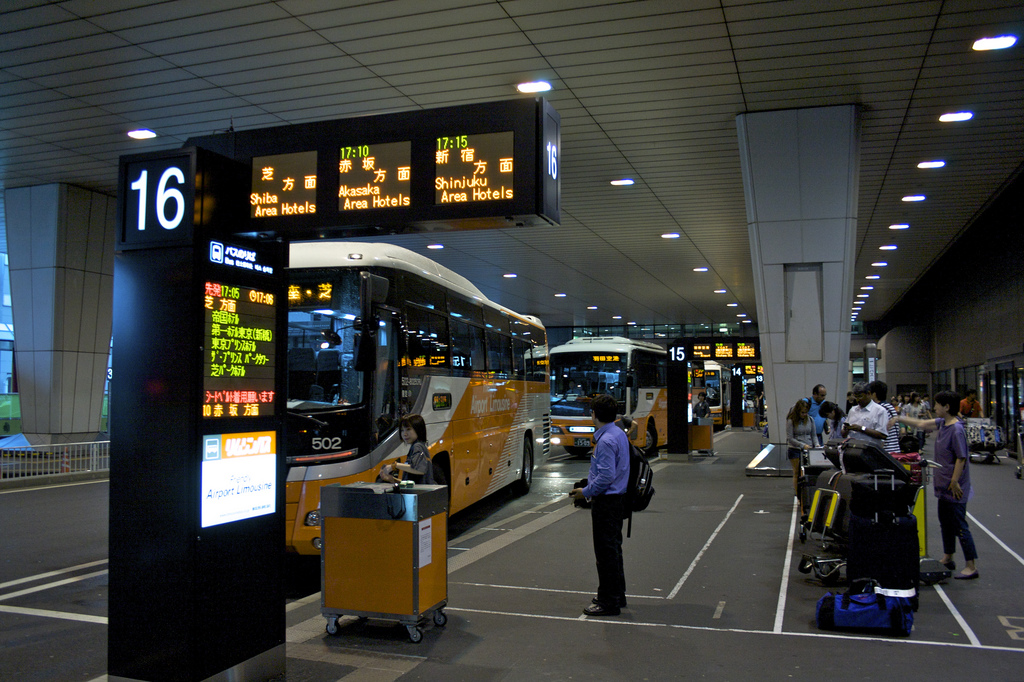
499 354
520 351
423 293
427 335
467 348
464 309
495 320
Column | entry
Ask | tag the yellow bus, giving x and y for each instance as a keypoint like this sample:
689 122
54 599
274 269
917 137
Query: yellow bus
375 332
633 372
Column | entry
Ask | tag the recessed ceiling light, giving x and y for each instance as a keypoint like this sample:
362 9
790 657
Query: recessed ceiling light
899 226
624 181
931 164
560 295
632 323
510 275
670 235
591 307
887 247
746 321
141 134
741 314
956 116
873 277
701 269
879 264
866 288
914 197
720 291
435 246
997 43
732 305
534 86
616 317
863 295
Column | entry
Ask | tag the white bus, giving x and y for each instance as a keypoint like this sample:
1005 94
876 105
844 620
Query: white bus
633 372
375 332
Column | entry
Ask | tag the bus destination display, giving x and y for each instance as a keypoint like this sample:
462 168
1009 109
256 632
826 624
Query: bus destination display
702 351
374 176
472 168
283 185
238 342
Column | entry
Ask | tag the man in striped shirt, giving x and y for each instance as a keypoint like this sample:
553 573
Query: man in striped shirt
879 392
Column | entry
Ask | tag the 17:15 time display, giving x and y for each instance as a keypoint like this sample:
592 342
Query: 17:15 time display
457 142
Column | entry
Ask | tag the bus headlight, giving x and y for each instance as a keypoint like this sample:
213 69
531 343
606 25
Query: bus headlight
313 518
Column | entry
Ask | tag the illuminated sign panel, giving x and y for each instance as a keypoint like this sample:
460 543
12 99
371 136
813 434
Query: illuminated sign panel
319 295
374 176
283 185
724 350
471 168
745 350
238 476
702 351
239 351
606 358
753 370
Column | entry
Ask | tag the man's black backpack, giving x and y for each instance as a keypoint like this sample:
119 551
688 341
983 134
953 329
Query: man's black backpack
640 487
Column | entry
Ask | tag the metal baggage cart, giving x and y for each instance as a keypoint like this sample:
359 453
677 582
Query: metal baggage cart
385 554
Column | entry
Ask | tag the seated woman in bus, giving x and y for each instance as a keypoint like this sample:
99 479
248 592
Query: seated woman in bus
417 466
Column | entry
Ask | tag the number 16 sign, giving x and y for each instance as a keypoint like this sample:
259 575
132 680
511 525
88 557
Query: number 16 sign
157 198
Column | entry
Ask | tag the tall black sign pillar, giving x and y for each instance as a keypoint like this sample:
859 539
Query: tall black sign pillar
196 485
679 397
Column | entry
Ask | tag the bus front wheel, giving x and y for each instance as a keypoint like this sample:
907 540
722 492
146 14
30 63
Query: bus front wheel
652 438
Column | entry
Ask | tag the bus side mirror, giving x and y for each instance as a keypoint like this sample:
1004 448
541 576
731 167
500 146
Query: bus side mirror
364 343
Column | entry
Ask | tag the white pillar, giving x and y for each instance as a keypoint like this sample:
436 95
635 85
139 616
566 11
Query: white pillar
60 241
800 177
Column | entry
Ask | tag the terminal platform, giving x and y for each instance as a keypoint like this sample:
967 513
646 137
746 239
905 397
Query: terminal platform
712 578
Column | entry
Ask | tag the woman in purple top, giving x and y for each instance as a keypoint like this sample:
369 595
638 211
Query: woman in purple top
952 480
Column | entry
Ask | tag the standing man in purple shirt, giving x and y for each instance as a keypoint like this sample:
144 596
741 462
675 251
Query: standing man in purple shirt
606 490
952 480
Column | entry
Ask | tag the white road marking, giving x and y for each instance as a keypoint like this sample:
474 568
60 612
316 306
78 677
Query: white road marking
998 541
41 576
975 642
47 586
100 620
696 559
780 609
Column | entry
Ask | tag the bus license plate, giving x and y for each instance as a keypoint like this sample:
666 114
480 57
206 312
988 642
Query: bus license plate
582 442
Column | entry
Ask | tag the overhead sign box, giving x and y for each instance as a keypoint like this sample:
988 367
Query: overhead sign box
490 165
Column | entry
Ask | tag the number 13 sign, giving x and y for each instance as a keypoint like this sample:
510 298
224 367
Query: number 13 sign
156 199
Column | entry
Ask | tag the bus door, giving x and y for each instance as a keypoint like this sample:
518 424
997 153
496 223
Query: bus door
386 381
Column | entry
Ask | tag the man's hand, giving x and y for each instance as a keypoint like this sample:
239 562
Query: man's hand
576 493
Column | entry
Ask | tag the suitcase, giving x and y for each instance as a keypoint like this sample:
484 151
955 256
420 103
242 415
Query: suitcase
885 550
880 493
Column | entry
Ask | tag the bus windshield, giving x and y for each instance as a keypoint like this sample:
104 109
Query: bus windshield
578 377
323 309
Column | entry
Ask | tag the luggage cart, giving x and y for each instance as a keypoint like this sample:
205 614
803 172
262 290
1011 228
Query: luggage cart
385 554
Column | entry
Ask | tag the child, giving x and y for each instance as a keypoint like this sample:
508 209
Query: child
417 466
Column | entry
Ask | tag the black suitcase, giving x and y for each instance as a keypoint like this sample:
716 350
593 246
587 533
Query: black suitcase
880 493
885 550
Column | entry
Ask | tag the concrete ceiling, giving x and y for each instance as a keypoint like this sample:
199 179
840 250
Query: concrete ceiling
646 89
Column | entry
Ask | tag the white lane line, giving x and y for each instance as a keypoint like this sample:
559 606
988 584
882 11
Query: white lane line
505 539
718 611
82 618
703 628
41 576
696 559
51 487
548 589
47 586
998 541
780 609
959 619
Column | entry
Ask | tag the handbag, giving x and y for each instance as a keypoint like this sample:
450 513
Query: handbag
863 609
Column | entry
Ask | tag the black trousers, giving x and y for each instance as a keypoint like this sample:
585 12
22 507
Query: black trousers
607 513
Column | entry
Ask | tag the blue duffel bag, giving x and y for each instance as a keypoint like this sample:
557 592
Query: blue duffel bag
865 612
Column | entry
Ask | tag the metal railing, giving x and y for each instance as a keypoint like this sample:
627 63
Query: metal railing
55 459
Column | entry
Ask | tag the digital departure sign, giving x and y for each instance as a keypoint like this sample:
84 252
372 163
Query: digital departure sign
239 347
745 350
724 350
283 185
374 176
702 351
471 168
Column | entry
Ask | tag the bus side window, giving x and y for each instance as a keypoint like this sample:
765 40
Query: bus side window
467 347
